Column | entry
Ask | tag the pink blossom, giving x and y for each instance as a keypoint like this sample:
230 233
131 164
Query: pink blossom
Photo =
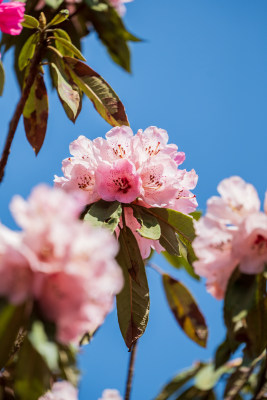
11 16
63 390
119 5
111 394
58 261
234 232
118 181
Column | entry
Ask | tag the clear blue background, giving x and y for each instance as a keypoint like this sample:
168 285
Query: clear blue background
201 73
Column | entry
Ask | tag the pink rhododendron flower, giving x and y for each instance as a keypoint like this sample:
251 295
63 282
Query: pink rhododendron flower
119 5
11 16
234 232
63 390
111 394
129 168
58 261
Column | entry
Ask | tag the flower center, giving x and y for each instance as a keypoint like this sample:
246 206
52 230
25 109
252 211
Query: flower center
123 184
119 151
260 244
84 181
151 151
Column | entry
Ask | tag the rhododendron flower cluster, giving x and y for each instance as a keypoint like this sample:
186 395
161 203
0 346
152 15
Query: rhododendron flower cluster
61 391
233 232
11 16
58 261
119 5
141 168
111 394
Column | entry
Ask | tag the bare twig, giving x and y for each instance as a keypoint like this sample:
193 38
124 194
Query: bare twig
130 372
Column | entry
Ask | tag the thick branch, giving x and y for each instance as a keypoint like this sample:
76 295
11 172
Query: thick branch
20 106
130 372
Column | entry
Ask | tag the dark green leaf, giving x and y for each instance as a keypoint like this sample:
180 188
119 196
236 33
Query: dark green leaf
112 32
68 92
12 319
32 375
133 300
64 35
2 78
185 310
27 51
150 227
35 114
193 393
30 22
177 382
104 213
224 352
60 17
104 99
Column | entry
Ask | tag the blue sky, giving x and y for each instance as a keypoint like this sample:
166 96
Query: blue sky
201 73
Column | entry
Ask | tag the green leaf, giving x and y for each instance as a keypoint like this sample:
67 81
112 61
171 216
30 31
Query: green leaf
207 378
47 349
133 300
150 227
64 35
12 319
32 375
196 394
196 215
60 17
2 78
54 3
236 382
185 310
104 213
68 92
180 262
30 22
103 97
224 352
27 51
35 114
112 32
178 381
69 46
169 239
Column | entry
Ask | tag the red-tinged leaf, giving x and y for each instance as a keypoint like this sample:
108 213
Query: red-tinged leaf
68 92
185 310
103 97
35 114
133 300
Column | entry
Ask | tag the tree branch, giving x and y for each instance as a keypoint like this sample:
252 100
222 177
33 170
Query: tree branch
20 106
130 372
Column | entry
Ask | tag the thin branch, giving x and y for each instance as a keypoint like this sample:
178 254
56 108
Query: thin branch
20 106
130 372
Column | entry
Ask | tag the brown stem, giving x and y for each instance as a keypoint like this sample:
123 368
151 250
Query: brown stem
20 106
130 372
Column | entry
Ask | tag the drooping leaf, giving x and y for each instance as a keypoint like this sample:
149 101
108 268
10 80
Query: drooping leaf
35 114
196 394
12 320
47 349
150 227
68 92
180 262
64 51
169 239
177 382
112 32
30 22
69 46
103 97
27 51
2 78
224 352
104 213
133 300
32 375
208 377
185 310
60 17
